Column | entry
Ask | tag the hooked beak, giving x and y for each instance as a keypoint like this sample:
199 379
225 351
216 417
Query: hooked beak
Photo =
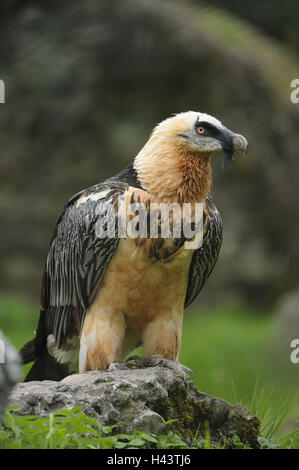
231 144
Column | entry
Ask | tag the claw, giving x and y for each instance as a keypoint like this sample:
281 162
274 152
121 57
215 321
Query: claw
181 370
134 361
117 366
157 361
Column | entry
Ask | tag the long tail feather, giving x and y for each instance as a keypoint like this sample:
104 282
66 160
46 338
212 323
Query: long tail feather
46 367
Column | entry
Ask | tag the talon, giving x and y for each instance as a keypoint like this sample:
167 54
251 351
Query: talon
181 370
187 370
156 361
117 366
134 361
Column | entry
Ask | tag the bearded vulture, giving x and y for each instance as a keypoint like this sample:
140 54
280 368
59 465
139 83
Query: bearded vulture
102 296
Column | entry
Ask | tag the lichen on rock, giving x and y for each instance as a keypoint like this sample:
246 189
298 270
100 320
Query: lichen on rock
141 399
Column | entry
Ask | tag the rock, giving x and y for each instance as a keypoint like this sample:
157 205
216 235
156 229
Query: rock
140 399
10 371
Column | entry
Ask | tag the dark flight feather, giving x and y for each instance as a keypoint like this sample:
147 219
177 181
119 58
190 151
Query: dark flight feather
205 257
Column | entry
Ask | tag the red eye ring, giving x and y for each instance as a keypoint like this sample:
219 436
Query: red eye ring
201 130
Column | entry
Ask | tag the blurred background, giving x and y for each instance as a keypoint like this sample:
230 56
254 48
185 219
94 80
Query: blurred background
85 84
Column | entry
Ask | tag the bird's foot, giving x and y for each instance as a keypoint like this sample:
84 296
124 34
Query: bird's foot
135 362
117 366
181 370
157 361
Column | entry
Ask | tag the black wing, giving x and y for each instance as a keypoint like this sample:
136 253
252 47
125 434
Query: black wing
204 259
76 263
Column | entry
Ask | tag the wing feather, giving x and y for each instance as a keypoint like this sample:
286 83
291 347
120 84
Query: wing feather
76 262
205 257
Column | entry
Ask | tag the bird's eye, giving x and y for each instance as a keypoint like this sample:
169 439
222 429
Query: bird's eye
201 130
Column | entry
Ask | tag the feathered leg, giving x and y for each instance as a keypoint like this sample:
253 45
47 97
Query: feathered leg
162 337
101 339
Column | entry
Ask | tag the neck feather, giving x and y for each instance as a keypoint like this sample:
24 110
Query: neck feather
174 174
195 177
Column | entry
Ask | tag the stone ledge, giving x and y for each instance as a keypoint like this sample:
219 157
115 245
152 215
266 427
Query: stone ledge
140 399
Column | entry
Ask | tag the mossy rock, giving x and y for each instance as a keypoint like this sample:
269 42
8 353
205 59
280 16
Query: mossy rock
142 399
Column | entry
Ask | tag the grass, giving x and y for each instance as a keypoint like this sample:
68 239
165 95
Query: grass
72 429
230 351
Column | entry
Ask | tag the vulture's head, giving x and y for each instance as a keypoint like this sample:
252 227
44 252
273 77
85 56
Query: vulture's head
175 162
